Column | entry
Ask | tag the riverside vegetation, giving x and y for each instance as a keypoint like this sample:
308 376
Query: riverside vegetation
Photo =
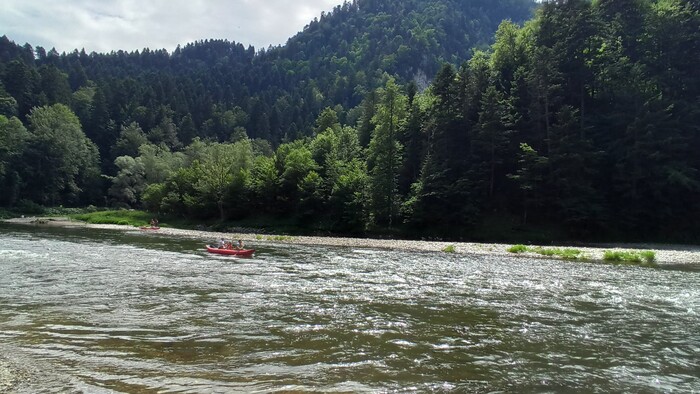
633 257
416 119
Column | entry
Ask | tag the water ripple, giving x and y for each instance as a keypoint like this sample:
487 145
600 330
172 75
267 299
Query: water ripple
115 312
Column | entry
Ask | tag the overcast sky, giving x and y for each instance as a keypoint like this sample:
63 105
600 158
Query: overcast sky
106 25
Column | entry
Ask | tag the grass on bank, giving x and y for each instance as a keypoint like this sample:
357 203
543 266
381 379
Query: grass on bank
449 249
121 217
562 253
278 238
518 249
643 257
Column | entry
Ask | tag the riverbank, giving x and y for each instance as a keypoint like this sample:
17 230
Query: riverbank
665 254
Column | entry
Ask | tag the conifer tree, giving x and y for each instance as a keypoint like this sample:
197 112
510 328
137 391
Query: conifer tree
384 153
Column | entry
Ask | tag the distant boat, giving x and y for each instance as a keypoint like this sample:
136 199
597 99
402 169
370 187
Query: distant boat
231 252
149 228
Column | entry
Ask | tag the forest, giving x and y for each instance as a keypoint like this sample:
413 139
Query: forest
481 120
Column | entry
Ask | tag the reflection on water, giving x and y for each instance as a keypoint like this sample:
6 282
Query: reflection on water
133 312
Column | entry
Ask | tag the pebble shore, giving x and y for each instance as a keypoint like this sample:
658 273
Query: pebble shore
665 254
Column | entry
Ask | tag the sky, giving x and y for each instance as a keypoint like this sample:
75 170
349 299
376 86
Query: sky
112 25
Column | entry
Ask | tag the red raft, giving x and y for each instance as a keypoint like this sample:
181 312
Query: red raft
231 252
149 228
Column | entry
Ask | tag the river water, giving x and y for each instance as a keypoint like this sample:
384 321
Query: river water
101 311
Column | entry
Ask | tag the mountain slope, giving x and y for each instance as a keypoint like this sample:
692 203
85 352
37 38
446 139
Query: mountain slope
409 39
278 92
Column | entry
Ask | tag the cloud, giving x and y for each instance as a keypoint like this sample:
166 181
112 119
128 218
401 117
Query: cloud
107 25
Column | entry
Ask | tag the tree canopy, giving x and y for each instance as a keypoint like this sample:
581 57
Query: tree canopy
419 118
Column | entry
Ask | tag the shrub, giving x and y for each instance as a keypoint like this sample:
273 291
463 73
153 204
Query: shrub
649 256
449 249
571 254
545 251
121 217
29 207
567 254
619 256
280 238
518 249
646 257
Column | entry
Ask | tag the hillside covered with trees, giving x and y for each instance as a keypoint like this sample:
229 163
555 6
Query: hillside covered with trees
391 117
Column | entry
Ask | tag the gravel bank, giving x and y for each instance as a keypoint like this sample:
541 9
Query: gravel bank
665 254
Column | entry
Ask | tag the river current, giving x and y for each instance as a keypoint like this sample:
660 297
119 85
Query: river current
100 311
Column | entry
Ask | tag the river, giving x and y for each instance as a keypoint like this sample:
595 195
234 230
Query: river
104 311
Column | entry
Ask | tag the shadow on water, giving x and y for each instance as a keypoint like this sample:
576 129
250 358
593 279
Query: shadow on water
77 234
685 267
134 237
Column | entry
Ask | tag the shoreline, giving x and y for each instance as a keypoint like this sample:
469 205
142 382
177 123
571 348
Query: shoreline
665 254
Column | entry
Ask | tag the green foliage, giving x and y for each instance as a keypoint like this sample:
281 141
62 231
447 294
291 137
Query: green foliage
444 199
572 254
62 163
223 173
29 207
618 256
130 181
583 122
13 140
280 238
67 211
311 195
565 253
159 163
529 177
121 217
327 119
646 257
131 138
297 162
264 183
518 249
7 214
384 154
154 196
449 249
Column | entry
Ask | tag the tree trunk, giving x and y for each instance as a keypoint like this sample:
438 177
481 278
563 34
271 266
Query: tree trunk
220 203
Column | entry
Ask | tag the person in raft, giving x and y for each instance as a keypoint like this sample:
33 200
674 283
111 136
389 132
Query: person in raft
222 243
154 222
240 245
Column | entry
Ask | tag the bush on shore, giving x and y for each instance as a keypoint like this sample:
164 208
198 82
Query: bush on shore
644 257
565 253
121 217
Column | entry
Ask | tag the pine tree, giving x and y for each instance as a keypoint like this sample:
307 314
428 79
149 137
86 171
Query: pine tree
384 154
